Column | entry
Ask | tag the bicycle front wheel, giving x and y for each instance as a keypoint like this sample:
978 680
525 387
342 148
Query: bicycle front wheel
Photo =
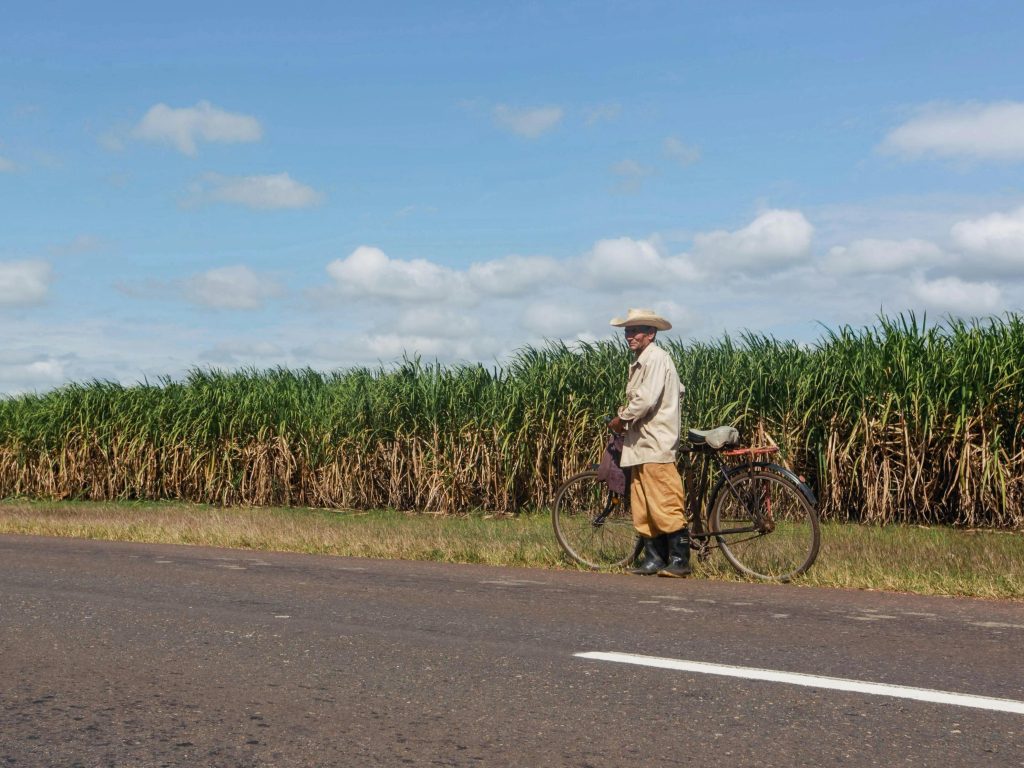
592 524
782 535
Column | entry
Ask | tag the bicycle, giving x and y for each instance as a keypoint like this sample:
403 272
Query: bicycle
761 515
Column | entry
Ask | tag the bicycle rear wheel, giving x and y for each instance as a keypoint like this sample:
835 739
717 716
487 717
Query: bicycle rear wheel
788 535
592 524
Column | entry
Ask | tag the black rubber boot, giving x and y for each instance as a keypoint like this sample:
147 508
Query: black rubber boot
678 555
661 542
652 561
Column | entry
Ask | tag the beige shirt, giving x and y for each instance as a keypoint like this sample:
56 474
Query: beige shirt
653 397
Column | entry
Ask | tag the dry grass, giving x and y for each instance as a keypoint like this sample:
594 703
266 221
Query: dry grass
937 561
385 534
895 423
925 560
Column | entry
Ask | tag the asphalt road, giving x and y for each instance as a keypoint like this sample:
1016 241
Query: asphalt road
146 655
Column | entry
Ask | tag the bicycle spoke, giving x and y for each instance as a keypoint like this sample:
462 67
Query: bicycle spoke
788 542
593 526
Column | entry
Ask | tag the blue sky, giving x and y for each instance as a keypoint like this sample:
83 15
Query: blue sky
333 184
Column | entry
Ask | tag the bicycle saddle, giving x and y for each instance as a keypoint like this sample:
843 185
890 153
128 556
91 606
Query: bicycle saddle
716 438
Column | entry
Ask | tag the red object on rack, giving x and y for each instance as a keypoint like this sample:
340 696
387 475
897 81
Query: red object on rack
752 451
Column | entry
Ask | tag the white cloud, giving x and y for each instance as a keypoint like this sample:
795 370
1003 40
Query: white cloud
377 307
41 352
236 287
529 123
554 319
440 309
624 263
243 352
631 174
51 370
264 193
369 272
390 346
872 256
25 375
775 239
6 166
184 127
681 316
975 131
951 294
998 239
513 275
233 287
435 322
684 154
23 283
928 216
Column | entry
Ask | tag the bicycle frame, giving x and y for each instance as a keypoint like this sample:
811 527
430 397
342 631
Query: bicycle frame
725 473
600 517
751 499
763 526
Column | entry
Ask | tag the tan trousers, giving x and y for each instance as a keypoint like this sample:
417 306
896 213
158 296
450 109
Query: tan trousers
656 499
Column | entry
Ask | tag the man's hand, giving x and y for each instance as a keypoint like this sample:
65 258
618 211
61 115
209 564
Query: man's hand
617 425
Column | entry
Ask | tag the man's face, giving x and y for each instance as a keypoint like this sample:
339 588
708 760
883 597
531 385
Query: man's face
638 337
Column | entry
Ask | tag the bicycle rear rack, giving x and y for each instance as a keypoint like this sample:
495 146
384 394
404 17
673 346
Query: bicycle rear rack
750 451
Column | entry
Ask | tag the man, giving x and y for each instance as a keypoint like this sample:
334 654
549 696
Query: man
650 422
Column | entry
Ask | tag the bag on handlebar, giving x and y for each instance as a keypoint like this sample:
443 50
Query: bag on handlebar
608 471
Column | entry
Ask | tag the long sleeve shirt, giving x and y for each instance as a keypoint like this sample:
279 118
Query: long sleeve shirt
652 409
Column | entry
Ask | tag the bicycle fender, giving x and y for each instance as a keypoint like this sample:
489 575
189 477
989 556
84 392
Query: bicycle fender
778 469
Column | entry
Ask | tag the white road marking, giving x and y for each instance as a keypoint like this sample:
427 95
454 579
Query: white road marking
814 681
995 625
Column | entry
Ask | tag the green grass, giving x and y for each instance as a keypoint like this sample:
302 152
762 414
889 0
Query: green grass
924 560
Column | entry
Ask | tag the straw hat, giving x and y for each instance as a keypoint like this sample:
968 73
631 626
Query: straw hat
642 317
